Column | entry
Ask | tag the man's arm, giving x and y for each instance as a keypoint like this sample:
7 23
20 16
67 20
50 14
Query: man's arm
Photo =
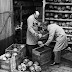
51 36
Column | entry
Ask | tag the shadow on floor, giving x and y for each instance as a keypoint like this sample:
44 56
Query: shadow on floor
64 66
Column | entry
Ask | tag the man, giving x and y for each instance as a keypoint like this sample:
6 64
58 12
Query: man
61 41
32 35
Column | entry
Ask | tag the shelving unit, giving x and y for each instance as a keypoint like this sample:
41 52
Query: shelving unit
67 27
59 12
58 19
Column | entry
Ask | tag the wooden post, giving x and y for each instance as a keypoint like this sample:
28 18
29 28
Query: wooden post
43 17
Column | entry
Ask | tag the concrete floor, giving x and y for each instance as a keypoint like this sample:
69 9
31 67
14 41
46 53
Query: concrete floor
65 65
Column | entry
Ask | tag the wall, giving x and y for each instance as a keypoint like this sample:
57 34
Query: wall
6 24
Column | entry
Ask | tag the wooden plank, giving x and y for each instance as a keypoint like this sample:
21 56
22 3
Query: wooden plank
4 5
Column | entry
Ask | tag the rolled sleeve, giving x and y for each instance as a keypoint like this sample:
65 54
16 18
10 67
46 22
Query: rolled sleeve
51 35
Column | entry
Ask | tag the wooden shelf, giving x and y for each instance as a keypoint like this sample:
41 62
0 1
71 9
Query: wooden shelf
58 19
59 3
69 35
69 42
67 27
54 11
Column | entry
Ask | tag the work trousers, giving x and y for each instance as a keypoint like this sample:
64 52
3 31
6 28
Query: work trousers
29 50
57 56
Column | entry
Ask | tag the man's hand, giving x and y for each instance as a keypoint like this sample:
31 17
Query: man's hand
40 35
40 43
39 23
36 34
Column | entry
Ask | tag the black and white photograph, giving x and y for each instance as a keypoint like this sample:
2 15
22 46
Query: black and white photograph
35 35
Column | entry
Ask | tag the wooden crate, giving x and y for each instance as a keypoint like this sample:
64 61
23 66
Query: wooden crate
5 65
42 54
21 52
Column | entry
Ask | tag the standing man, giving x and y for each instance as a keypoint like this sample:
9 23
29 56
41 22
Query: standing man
32 35
61 41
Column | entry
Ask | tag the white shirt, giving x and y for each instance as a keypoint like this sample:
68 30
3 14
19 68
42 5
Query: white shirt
31 38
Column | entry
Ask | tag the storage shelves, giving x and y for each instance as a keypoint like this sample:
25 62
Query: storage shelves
51 13
54 11
58 19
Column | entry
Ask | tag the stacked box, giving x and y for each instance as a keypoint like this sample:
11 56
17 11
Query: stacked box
42 54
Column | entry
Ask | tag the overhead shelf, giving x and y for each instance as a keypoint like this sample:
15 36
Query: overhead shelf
54 11
69 42
58 3
58 19
67 27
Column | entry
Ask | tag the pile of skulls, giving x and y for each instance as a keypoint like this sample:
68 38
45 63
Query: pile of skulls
29 66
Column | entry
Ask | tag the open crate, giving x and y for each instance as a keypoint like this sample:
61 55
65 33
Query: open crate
42 54
21 52
5 65
21 49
